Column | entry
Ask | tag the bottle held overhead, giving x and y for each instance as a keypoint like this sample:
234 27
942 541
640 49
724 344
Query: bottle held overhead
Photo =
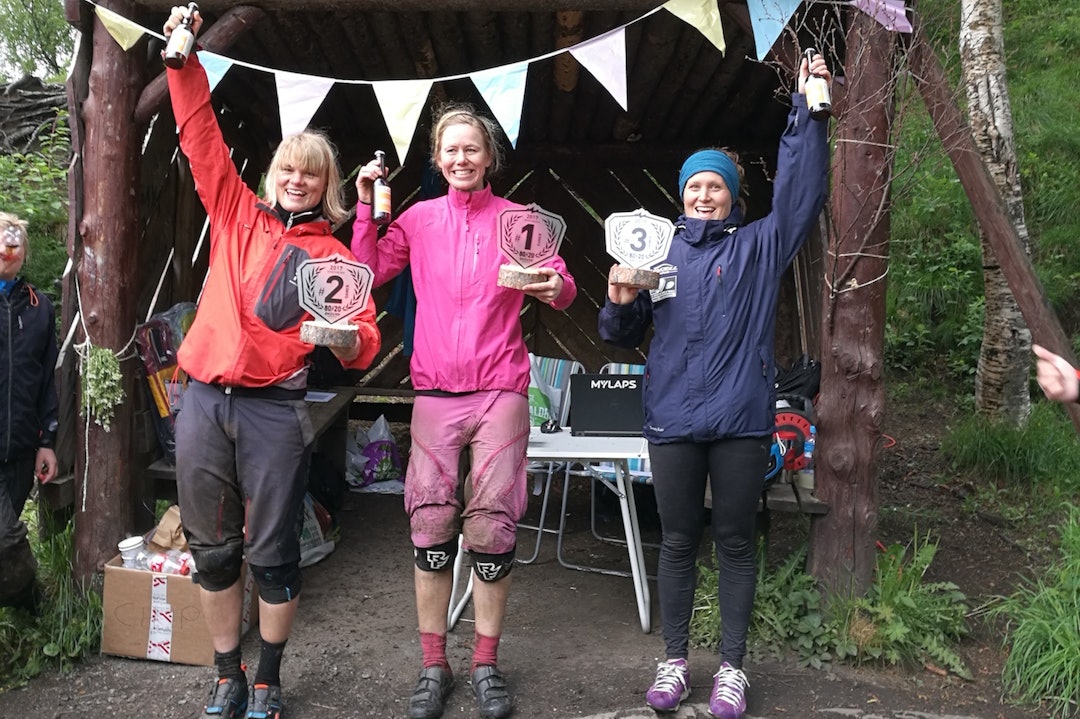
181 40
816 89
381 203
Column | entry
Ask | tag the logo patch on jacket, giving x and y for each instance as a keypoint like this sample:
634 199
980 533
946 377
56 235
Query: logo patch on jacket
669 282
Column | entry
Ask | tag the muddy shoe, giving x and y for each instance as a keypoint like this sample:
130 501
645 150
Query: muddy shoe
228 700
492 697
265 702
432 689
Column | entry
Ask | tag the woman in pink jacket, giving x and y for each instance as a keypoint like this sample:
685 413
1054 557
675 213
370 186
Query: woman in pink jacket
470 370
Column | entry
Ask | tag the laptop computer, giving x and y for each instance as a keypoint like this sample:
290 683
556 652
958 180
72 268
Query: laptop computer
606 405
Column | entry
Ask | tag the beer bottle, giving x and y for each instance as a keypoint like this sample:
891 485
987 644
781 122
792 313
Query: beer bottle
816 90
380 205
181 41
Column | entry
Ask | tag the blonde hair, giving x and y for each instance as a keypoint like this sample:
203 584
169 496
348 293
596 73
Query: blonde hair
466 114
12 223
312 151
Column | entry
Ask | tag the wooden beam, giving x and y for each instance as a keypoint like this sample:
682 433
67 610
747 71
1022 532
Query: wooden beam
986 202
232 24
220 6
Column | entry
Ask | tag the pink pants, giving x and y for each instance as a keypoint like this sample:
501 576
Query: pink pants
491 430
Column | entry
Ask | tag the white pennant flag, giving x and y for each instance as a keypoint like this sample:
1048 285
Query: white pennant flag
299 98
503 89
401 102
605 57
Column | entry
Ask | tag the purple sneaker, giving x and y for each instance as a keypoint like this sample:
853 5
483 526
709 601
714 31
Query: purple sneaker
671 686
728 698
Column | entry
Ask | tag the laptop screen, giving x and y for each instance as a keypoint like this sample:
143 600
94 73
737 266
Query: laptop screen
606 405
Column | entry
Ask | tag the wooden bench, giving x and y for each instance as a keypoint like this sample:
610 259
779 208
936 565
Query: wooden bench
370 403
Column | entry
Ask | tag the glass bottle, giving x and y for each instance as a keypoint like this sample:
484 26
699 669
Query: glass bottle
181 40
380 205
816 89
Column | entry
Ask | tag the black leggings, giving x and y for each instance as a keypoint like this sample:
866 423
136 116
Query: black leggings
736 470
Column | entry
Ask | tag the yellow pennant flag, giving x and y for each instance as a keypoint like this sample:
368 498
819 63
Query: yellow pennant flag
702 14
125 32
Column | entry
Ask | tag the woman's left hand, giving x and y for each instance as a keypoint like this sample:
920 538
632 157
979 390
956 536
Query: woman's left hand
817 67
547 291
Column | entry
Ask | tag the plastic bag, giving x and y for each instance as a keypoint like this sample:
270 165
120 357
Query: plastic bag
383 459
316 541
542 398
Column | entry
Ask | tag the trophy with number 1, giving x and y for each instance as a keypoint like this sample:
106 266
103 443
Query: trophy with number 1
529 237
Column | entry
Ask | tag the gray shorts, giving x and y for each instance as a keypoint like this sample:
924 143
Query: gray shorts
241 472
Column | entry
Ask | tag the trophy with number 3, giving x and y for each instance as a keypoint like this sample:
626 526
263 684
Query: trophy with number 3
638 240
529 237
334 290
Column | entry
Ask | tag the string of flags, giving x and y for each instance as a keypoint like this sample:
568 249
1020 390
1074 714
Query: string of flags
503 87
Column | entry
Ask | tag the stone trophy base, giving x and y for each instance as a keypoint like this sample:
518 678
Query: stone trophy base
325 334
516 277
634 277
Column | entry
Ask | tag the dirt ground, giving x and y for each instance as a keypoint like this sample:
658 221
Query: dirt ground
573 646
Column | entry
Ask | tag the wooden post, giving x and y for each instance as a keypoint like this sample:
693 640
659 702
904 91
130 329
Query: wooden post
851 404
106 256
986 202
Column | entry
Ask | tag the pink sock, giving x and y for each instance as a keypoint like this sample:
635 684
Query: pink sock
434 648
486 651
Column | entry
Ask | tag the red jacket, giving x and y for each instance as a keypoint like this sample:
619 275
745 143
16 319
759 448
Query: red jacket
246 331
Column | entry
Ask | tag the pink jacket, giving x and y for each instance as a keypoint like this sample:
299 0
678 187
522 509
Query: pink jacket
468 329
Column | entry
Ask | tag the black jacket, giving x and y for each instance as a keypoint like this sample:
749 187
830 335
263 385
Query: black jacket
28 403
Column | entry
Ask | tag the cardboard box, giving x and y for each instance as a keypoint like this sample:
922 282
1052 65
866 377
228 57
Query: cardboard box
160 616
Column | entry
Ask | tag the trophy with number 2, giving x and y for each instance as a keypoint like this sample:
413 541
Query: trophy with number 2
334 290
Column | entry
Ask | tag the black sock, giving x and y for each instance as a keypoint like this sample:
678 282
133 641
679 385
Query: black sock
228 664
270 664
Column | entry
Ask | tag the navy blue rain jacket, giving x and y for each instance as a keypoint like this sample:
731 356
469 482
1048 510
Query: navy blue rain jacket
710 372
28 403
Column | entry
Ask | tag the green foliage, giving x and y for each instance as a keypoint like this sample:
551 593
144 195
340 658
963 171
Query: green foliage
903 620
69 627
35 38
33 185
1043 615
102 388
1043 452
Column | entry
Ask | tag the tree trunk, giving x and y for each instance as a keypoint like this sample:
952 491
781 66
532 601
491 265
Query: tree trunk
106 256
1002 382
851 406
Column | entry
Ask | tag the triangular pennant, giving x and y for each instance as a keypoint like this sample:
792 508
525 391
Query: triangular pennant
503 89
768 18
890 13
401 102
702 14
605 57
216 66
299 97
125 32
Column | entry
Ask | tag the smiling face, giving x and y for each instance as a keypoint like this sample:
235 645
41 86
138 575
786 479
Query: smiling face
706 197
12 252
298 189
463 157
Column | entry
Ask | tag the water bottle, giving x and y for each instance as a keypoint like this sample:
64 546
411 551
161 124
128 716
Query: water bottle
805 476
171 562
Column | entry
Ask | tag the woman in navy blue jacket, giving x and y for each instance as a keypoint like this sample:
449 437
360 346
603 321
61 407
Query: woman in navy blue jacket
709 393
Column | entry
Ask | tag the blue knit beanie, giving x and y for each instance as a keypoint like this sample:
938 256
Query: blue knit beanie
710 161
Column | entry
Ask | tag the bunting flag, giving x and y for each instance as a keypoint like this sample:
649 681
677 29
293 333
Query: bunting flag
605 57
216 66
703 15
401 102
890 13
299 97
125 32
768 18
503 89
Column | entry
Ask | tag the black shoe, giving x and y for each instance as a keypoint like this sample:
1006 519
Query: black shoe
432 689
491 694
228 699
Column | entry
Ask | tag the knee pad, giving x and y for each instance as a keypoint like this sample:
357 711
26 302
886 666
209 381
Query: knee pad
219 567
492 567
280 584
437 558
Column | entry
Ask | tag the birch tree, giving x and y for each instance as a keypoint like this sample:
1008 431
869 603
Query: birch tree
1003 375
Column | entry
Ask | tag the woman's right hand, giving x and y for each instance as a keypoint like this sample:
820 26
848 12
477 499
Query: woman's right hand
365 178
621 294
177 16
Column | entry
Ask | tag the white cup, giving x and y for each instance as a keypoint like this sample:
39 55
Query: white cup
130 548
